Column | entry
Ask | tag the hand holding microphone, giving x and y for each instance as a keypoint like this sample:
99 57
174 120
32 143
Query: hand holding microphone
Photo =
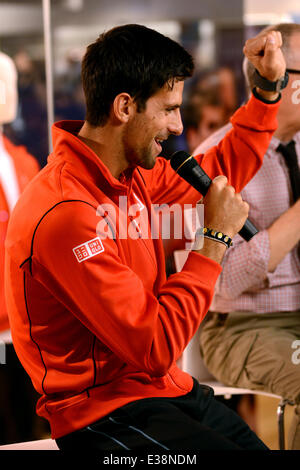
225 210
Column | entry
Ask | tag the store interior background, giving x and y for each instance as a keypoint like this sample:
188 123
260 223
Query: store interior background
213 31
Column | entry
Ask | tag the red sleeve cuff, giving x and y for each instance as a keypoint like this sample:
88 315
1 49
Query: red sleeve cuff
257 115
202 267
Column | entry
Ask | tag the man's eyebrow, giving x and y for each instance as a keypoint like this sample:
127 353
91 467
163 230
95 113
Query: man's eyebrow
173 106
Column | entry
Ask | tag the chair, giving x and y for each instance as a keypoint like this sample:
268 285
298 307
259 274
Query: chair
192 363
5 338
42 444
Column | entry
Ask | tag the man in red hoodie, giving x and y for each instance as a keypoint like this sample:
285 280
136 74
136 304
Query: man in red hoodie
94 320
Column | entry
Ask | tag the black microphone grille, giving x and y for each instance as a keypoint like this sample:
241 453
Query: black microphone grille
178 158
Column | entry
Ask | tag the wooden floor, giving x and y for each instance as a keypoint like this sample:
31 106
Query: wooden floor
266 420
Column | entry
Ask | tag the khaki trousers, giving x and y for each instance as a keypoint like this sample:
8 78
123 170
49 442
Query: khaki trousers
256 351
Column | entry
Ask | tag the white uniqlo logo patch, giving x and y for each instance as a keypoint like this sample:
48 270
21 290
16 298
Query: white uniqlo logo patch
88 249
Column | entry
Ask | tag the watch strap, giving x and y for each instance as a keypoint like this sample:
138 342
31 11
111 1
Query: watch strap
267 85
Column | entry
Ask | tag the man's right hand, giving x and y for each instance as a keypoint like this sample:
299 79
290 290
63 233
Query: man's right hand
224 211
264 51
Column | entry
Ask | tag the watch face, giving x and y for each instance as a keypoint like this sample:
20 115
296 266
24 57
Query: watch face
267 85
279 84
282 82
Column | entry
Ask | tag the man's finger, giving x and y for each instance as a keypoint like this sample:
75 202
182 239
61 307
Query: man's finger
257 46
271 47
221 180
279 38
254 46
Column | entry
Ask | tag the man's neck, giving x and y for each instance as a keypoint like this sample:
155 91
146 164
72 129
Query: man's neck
285 134
288 125
105 142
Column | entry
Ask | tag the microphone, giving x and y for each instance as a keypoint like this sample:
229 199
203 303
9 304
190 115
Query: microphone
189 169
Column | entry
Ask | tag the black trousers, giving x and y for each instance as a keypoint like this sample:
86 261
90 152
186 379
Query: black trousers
196 421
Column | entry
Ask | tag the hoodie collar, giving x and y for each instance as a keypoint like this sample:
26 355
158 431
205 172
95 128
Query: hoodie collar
67 146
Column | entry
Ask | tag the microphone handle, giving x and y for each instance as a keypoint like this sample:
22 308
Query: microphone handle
201 181
248 230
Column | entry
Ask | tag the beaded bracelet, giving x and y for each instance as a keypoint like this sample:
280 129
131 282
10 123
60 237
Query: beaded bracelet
216 236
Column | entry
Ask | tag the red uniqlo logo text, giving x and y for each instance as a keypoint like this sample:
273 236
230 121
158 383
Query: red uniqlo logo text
88 249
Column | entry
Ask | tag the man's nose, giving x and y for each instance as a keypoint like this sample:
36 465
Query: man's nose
175 125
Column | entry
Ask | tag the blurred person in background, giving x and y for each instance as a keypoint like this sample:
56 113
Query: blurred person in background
17 168
30 127
69 97
220 82
209 101
202 115
252 329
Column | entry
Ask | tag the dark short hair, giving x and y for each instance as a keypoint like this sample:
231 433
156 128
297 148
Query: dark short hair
132 59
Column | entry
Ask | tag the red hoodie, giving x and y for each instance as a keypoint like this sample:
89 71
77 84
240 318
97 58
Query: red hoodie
94 320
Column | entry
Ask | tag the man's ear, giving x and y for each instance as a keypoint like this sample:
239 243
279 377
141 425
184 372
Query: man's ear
123 107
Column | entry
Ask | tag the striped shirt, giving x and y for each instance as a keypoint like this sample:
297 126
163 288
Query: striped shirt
245 283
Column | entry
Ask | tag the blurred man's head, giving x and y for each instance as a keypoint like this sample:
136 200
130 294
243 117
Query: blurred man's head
8 89
202 115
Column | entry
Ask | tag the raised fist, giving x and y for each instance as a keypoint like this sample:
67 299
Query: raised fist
264 52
